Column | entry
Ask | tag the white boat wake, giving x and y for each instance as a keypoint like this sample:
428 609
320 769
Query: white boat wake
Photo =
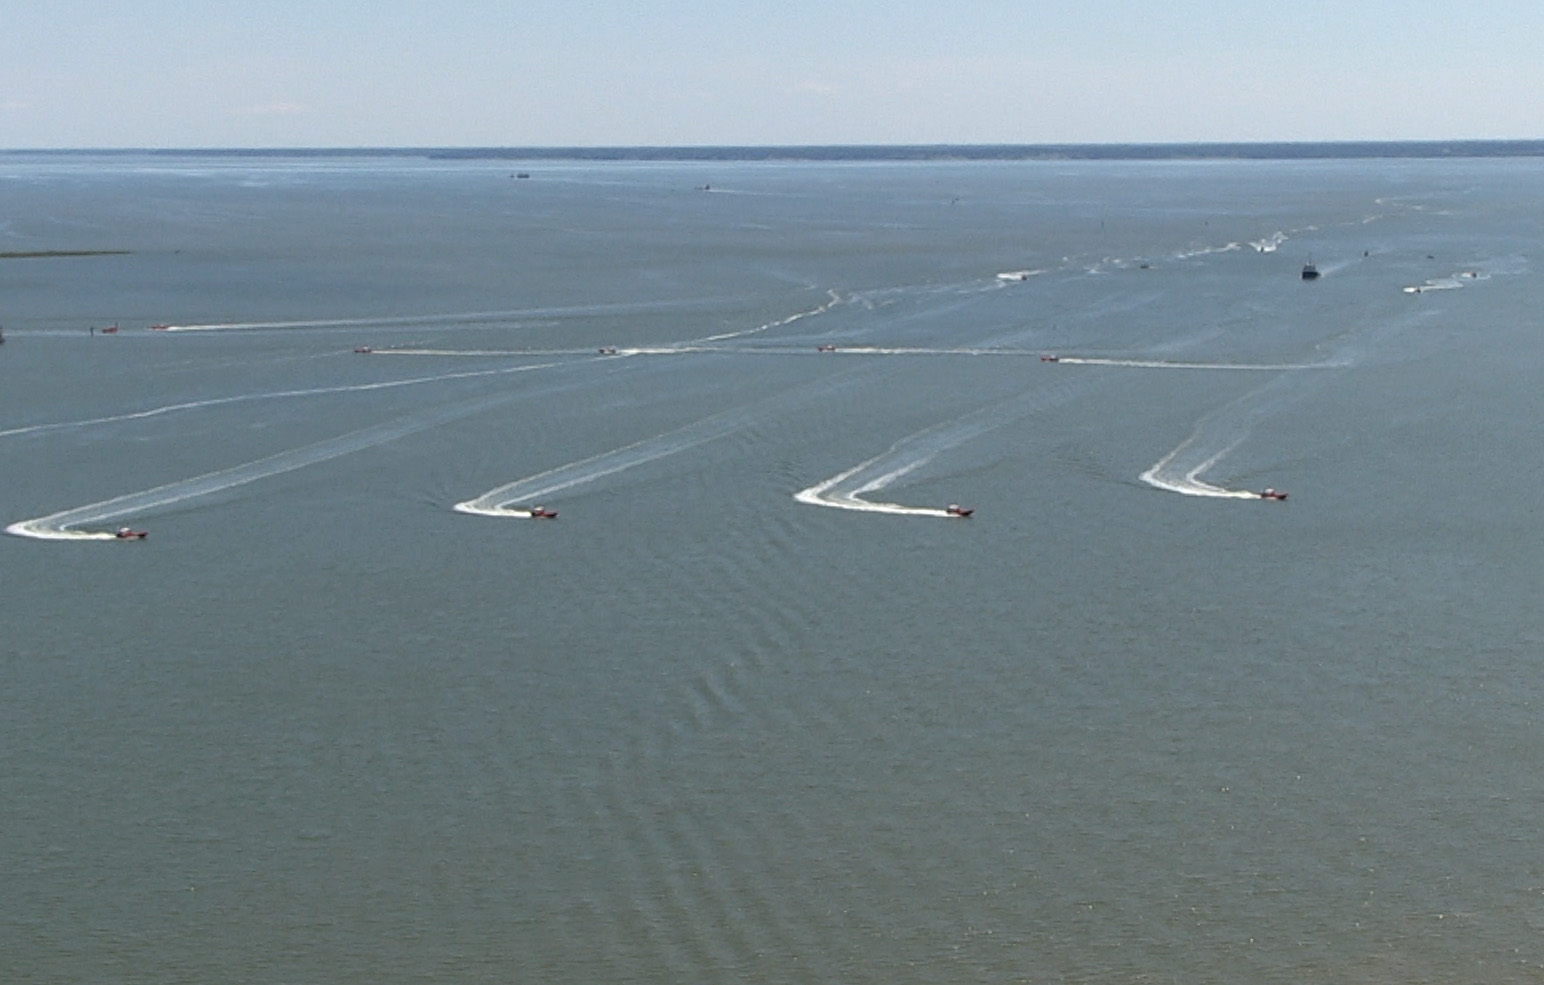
832 300
1216 436
1179 471
516 499
1170 364
846 490
66 524
1452 282
274 395
451 318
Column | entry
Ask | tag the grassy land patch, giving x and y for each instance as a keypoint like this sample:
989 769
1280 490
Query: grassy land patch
43 254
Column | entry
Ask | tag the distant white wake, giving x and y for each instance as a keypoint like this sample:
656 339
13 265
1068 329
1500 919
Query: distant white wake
1450 283
450 319
832 300
273 395
1171 364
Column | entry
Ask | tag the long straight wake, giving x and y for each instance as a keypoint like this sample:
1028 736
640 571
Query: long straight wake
275 395
455 318
1172 364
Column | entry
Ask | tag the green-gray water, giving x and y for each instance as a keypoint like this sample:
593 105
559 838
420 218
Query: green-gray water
321 726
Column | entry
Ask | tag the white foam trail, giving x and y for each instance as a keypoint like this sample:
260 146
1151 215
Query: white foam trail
833 492
499 353
1178 471
63 525
1201 251
514 499
1269 244
275 395
1217 435
1169 364
875 350
692 348
845 491
467 317
832 300
1452 282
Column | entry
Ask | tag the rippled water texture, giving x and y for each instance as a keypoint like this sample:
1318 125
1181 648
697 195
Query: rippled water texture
757 706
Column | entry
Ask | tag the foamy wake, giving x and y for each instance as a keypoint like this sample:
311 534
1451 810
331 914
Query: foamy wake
65 524
846 490
1171 364
832 300
1179 472
1218 434
515 499
1452 282
446 319
1270 244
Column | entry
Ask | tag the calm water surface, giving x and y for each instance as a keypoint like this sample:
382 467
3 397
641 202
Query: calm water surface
752 709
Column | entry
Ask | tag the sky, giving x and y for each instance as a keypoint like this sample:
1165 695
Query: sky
544 73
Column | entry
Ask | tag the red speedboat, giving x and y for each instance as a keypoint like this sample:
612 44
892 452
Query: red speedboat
1272 494
363 350
1050 359
955 509
541 513
607 350
159 328
825 348
128 533
110 330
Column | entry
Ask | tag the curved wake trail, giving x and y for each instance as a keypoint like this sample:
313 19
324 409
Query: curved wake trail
514 499
845 491
1221 432
1216 436
64 524
1179 470
276 395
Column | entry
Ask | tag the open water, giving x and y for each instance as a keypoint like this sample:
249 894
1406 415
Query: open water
755 708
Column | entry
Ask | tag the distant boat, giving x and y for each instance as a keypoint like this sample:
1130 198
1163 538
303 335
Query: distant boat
2 336
1310 272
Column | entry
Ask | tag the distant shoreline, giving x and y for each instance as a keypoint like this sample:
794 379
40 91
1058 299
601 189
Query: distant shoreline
1274 151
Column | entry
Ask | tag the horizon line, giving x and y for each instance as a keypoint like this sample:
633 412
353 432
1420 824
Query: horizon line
1138 150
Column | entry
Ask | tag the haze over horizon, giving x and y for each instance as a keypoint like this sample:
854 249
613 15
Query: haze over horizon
407 73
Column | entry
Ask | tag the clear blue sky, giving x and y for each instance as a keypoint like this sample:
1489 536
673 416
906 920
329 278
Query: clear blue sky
343 73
